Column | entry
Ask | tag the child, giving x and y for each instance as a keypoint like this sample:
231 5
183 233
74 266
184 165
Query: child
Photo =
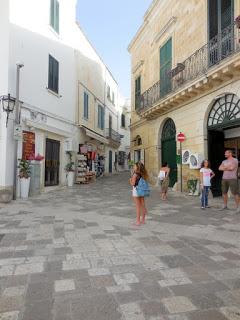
139 172
164 180
206 175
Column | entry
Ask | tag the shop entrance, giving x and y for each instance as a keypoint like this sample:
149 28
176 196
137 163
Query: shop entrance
169 149
223 134
52 162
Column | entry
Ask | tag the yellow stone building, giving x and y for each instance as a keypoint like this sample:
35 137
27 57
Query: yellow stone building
186 78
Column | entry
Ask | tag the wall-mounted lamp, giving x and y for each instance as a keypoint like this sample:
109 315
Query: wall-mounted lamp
8 104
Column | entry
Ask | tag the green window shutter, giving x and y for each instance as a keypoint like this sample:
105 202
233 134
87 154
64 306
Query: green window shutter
54 15
85 105
137 92
99 116
57 17
52 4
50 73
102 118
56 75
53 74
165 67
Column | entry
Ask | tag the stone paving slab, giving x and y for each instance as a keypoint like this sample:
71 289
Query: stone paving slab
73 254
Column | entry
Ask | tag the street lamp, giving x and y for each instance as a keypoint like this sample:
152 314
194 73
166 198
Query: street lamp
8 104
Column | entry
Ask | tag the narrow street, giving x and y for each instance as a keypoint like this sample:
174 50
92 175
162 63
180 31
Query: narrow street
73 254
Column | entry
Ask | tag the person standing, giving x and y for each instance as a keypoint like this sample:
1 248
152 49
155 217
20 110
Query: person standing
206 175
139 171
230 179
164 180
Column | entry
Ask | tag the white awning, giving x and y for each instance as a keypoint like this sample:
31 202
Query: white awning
96 136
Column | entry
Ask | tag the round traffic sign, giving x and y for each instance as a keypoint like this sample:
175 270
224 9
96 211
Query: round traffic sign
181 137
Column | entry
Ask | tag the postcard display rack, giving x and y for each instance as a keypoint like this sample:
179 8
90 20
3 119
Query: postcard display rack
81 176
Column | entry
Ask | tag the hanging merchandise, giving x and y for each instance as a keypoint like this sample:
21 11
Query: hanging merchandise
81 169
84 149
89 148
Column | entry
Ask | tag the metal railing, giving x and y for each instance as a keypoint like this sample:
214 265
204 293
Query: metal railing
113 135
217 49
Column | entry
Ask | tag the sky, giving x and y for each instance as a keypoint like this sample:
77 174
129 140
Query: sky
110 26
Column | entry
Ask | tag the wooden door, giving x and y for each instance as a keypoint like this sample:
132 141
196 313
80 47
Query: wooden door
52 162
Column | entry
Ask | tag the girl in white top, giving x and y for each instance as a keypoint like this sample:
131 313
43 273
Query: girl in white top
206 175
164 180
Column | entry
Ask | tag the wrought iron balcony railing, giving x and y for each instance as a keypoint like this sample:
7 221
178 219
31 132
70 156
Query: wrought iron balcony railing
113 135
217 49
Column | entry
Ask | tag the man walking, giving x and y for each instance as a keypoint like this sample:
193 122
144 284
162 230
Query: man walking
230 179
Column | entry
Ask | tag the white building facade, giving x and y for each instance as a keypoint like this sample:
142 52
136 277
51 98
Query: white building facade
45 38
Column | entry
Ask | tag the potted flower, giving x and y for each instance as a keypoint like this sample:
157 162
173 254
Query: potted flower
24 175
70 170
237 22
192 185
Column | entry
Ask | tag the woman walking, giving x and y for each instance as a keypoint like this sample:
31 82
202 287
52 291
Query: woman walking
139 171
206 175
164 180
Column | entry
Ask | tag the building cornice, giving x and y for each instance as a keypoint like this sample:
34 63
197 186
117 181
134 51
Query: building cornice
137 66
144 24
167 26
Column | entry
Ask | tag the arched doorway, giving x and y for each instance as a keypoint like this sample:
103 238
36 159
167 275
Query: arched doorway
169 149
223 133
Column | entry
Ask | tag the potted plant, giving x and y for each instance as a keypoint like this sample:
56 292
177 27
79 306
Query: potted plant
192 185
237 22
24 175
70 170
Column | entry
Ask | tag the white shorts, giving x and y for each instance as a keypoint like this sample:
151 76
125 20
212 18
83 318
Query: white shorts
134 192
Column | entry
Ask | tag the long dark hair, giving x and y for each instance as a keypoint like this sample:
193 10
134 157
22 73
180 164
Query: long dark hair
141 170
206 160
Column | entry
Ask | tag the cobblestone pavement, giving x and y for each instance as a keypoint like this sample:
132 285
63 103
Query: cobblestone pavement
74 254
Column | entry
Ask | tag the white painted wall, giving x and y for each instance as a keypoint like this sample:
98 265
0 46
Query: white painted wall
6 146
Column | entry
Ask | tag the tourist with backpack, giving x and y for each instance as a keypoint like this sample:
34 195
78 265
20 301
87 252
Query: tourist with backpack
139 182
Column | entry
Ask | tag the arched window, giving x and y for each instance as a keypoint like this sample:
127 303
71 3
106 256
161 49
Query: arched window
225 112
138 141
169 130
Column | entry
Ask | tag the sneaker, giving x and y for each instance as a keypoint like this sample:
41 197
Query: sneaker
203 208
223 208
208 207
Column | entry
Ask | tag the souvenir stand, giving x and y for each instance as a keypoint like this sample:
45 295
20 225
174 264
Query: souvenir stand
87 169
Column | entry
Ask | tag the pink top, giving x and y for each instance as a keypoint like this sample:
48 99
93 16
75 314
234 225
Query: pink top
230 174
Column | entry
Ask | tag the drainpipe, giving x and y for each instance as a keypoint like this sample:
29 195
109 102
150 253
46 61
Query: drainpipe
17 122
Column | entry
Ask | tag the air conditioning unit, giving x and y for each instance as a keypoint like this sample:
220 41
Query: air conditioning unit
195 161
186 156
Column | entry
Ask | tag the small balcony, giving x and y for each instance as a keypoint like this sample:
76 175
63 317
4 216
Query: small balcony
113 136
207 67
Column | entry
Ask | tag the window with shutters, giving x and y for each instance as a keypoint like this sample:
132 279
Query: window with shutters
108 92
220 16
53 74
123 121
85 106
101 116
54 15
113 98
165 68
137 92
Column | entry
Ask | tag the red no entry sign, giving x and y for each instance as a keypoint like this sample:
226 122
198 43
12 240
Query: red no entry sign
181 137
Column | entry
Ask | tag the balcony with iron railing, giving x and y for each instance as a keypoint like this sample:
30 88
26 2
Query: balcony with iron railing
113 136
200 63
